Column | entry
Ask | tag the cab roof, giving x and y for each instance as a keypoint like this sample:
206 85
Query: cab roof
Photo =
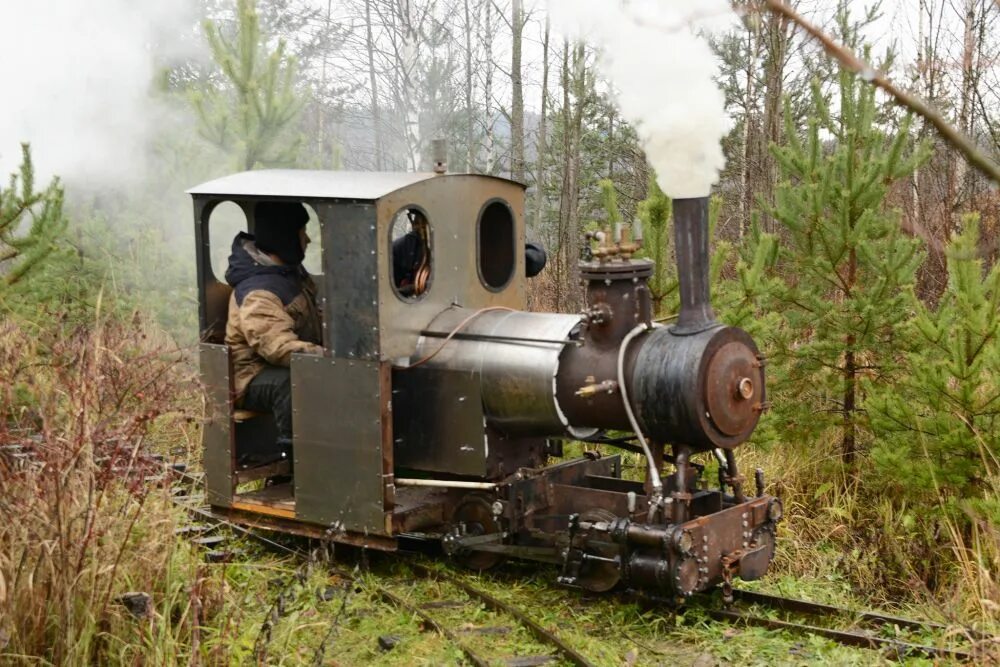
315 184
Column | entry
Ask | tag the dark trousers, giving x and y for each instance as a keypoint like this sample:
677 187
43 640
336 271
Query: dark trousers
271 391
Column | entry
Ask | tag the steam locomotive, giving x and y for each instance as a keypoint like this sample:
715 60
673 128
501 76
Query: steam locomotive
434 412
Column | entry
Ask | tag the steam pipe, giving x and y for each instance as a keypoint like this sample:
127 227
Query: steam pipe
654 473
691 244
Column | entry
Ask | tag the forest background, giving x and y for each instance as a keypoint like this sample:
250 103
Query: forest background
856 244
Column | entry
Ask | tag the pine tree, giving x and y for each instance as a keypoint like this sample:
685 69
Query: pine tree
940 424
254 114
22 250
754 283
655 215
847 265
609 202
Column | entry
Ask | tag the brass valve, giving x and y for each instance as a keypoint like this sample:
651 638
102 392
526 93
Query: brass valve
625 242
605 387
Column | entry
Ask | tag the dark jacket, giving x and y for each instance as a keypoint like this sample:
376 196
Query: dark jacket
272 312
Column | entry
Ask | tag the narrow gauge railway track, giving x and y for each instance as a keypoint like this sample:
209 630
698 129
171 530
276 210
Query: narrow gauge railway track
893 647
850 630
861 627
447 617
464 600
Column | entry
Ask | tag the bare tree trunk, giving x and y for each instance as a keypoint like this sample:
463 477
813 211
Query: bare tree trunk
611 141
562 259
849 446
917 214
517 94
751 138
573 186
774 72
488 87
320 109
970 81
569 241
373 79
469 154
541 147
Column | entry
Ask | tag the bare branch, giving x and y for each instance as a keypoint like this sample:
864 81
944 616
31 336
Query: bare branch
851 61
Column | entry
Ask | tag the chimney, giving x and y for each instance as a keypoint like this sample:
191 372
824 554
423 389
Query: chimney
439 153
691 244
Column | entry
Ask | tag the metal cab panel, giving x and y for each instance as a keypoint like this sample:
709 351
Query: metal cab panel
341 408
453 204
350 279
217 432
438 422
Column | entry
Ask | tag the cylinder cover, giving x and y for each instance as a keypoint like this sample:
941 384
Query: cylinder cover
705 390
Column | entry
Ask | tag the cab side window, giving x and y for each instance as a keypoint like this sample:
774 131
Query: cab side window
412 253
495 234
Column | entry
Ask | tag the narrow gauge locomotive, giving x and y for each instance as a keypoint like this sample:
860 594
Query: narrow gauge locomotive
433 412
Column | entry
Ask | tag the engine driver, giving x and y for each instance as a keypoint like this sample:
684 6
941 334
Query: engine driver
272 313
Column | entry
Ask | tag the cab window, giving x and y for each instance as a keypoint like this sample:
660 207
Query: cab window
495 232
411 247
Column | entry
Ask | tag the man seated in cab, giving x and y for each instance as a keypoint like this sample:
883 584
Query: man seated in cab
272 313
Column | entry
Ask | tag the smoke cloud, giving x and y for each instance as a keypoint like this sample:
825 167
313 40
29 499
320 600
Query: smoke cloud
76 82
663 72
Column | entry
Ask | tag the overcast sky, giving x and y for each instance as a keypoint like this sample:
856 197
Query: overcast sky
76 75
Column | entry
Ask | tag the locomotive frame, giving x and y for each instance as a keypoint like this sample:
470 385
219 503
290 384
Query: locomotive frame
433 418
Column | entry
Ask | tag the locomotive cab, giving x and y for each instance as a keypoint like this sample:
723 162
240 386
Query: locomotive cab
343 432
438 400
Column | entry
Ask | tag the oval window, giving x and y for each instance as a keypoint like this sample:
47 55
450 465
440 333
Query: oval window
497 258
410 240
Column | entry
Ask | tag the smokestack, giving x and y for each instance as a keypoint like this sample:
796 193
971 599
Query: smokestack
439 153
691 243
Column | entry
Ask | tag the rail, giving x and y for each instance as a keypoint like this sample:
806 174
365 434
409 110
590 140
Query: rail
743 612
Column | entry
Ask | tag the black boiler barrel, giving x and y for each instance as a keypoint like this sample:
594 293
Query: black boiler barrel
704 389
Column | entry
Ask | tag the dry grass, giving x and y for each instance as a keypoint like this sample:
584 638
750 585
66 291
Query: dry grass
81 410
866 542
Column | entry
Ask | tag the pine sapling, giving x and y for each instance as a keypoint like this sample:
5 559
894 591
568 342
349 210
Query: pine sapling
21 249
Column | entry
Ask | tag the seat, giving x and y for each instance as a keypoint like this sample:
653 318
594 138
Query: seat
240 416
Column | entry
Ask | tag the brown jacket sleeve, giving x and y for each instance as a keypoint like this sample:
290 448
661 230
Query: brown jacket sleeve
270 330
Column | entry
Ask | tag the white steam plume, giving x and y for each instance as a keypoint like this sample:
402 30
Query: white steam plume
663 73
76 79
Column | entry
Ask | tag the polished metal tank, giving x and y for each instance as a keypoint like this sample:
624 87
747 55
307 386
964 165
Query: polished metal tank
515 355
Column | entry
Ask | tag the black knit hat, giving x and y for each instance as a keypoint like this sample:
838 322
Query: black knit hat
276 229
534 259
